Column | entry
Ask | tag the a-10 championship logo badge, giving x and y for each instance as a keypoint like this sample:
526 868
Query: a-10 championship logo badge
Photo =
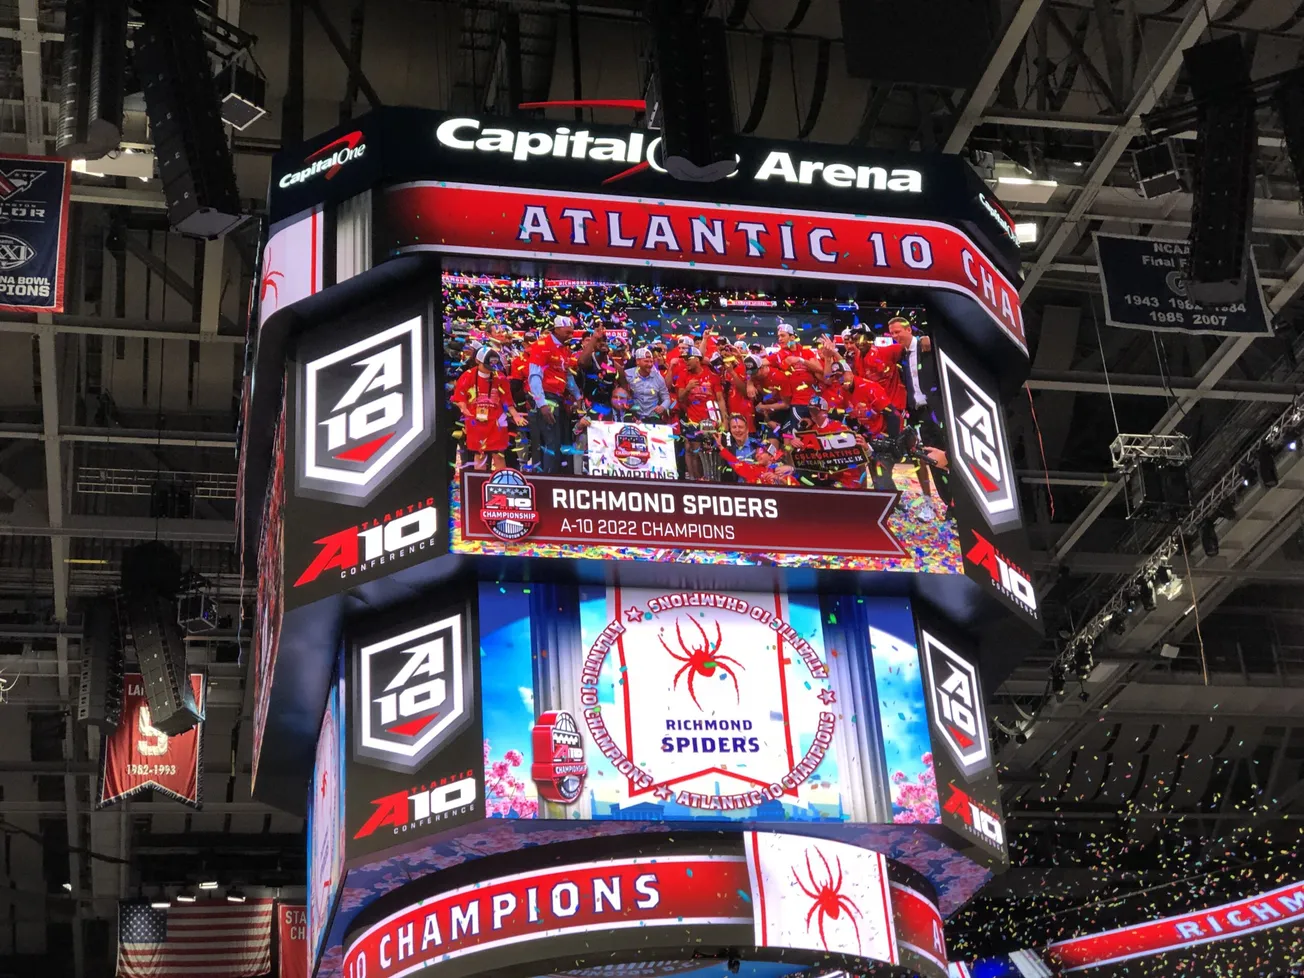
631 448
364 411
507 505
413 693
558 769
708 701
980 444
957 706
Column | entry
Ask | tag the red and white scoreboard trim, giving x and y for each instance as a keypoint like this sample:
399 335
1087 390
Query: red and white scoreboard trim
794 892
470 219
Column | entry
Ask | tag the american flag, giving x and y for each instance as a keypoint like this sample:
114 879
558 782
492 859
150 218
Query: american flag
195 940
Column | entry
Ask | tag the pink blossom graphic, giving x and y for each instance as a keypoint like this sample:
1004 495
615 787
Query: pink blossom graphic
506 795
915 802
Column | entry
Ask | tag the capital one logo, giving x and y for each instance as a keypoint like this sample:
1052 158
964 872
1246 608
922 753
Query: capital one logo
364 412
979 442
413 694
957 706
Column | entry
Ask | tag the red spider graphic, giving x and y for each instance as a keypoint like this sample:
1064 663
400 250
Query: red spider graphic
268 282
701 661
829 900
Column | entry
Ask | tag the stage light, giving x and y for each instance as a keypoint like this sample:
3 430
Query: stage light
209 885
1209 538
1267 467
1026 232
160 904
1057 680
1118 624
1226 509
1021 737
1248 475
1167 583
235 895
1082 662
1148 596
68 887
186 896
1130 599
1293 444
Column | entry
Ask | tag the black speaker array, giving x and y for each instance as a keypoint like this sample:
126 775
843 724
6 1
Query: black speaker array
151 574
1223 190
94 69
99 696
190 143
692 69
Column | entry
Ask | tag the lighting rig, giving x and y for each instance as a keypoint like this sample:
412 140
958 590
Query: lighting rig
1156 575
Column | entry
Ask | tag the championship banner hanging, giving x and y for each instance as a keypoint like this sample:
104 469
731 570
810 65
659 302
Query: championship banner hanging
137 756
537 224
33 232
291 941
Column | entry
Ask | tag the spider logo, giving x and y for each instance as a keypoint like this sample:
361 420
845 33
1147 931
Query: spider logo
268 282
828 899
702 660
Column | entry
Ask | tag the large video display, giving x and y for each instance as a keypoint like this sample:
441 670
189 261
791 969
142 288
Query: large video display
709 425
609 703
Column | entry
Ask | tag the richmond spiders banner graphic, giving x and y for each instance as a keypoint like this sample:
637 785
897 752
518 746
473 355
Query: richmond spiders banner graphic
138 756
646 704
817 900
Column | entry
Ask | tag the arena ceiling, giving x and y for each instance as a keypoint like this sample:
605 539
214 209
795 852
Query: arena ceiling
138 384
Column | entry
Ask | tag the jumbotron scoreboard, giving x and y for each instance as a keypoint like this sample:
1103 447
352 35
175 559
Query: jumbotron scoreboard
632 554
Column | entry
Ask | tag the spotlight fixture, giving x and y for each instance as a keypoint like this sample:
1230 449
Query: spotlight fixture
1148 595
1118 624
1021 737
160 904
1084 695
187 896
1082 662
1267 467
1057 680
1248 475
1209 538
209 885
235 895
1130 599
68 887
1167 583
1226 509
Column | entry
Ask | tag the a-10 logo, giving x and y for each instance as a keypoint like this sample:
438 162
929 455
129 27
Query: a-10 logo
376 543
957 706
1012 582
364 410
982 457
411 808
980 819
413 694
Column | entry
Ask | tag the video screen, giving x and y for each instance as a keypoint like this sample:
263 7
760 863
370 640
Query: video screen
617 420
749 706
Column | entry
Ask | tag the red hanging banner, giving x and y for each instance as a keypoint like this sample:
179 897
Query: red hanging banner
139 756
292 941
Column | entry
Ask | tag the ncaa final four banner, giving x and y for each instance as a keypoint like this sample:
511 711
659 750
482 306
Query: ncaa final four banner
34 192
138 756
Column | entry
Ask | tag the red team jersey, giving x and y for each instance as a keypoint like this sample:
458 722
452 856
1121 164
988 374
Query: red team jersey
487 399
702 404
557 362
801 383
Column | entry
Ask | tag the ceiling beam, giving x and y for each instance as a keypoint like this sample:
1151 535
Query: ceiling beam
980 95
118 528
108 326
1142 385
1117 141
